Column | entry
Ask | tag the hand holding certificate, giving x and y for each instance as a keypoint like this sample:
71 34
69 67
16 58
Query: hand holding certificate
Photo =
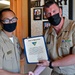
35 49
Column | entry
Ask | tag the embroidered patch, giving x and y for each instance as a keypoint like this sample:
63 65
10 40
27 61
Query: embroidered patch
66 40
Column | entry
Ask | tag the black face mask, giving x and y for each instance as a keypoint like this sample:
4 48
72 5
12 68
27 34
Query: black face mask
10 27
55 19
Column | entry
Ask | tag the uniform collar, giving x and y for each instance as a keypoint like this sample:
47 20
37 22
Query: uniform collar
5 37
66 24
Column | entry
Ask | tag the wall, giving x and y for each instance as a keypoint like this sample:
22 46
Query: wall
36 25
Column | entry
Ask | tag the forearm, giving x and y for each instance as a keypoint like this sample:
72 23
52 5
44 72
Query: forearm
65 61
3 72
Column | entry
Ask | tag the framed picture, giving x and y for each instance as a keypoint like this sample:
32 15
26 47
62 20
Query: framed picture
46 25
37 14
35 4
44 15
38 2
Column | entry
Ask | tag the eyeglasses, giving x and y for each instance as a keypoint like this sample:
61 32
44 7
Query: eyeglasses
6 21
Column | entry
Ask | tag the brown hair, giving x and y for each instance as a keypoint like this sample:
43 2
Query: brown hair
49 3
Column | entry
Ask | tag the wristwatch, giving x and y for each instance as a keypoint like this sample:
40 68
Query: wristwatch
50 65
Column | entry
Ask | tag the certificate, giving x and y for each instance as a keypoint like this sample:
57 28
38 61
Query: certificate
35 49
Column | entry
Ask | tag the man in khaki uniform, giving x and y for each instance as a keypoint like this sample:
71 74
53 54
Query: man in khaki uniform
9 46
60 40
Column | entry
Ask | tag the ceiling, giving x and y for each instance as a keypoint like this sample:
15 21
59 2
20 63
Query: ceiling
4 5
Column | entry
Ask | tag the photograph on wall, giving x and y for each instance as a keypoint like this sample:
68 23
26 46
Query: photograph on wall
46 25
35 4
44 15
38 2
37 14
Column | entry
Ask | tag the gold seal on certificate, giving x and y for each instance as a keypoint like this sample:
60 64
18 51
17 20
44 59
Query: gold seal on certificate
35 49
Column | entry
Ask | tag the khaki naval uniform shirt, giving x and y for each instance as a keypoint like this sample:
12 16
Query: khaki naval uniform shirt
9 53
61 45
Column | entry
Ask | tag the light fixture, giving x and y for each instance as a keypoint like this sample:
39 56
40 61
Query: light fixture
5 2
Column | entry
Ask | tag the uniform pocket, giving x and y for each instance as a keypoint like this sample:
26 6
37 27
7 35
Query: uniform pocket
7 62
66 46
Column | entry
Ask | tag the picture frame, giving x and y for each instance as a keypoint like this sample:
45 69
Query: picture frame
37 13
35 4
46 25
38 3
44 15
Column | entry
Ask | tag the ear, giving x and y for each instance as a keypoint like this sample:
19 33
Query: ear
60 10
